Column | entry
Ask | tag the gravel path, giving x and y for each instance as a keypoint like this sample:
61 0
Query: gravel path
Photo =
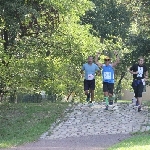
92 128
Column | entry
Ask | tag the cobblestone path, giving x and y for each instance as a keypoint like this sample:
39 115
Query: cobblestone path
85 120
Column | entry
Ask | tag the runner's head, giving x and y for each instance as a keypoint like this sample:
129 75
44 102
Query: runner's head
90 59
107 60
141 60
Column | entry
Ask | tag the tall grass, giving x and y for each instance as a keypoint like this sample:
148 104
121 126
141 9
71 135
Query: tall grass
25 122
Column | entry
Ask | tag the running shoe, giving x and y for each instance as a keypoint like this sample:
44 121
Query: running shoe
91 103
110 102
106 107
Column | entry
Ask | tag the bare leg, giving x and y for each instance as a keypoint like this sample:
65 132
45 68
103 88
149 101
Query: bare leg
106 94
110 99
139 100
86 92
140 103
110 95
137 103
92 95
106 98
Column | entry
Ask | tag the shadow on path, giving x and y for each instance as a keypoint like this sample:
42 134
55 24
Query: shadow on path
96 142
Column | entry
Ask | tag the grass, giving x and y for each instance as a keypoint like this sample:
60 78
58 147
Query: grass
124 101
25 122
139 141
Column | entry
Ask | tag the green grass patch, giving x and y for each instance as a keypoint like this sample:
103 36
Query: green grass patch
123 101
137 142
25 122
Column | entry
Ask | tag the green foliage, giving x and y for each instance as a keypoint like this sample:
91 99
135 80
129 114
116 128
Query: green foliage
44 43
108 18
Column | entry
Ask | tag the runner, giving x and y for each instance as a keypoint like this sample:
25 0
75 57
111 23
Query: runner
140 75
108 78
90 69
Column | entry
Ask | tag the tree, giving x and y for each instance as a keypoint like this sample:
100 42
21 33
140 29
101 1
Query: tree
38 40
108 19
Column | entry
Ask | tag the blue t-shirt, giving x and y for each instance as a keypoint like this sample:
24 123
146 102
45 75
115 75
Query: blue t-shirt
90 70
108 73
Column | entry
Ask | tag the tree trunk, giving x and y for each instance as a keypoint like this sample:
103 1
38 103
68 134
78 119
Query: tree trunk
5 36
118 89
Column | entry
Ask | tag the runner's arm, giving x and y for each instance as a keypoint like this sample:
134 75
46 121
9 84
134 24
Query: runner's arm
131 70
82 71
146 75
117 60
96 59
98 72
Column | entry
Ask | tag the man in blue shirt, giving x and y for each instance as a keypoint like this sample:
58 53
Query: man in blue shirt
90 69
108 78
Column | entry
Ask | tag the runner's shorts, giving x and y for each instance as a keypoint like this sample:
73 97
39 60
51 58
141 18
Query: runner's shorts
89 84
108 87
137 87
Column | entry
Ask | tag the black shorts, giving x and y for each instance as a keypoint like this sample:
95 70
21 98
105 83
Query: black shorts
108 87
89 84
138 88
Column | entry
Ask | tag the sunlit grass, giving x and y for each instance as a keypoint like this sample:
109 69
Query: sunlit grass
137 142
21 123
123 101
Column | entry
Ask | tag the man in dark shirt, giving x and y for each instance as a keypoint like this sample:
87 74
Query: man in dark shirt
140 74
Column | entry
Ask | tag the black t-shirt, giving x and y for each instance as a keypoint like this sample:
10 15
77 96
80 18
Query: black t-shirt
141 71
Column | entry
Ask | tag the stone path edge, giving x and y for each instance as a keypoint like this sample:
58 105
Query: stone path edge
66 114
